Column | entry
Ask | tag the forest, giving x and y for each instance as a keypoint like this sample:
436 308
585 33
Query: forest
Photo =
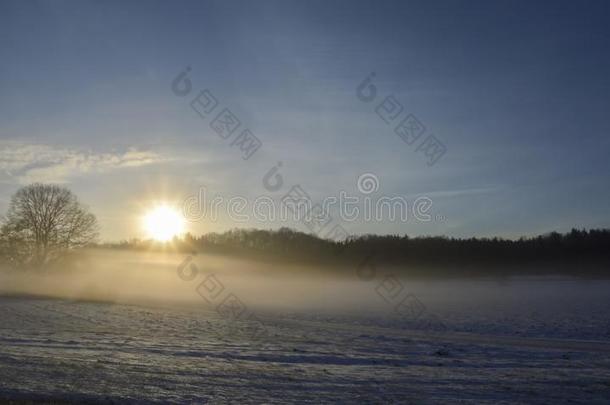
586 251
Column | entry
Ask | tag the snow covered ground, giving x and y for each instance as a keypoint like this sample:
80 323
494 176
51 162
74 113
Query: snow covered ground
520 341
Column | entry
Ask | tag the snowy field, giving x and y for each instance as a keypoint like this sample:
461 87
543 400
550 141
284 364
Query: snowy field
542 341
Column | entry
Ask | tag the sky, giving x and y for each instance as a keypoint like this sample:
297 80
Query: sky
516 92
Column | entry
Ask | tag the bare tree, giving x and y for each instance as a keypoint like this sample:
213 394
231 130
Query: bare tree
43 222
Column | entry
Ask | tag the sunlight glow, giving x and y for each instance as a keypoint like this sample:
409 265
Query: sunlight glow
163 223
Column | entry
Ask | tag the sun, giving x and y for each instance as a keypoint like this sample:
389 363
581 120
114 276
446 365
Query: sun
162 223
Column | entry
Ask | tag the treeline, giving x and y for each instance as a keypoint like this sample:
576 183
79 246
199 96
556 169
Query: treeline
575 247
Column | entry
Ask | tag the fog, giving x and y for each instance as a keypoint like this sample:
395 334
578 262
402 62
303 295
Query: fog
154 278
168 278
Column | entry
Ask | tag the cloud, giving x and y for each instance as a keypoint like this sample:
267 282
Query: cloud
460 192
29 162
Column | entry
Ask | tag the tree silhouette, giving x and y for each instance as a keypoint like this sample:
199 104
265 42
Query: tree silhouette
575 252
43 222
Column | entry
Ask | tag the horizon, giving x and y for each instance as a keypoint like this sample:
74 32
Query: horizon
181 237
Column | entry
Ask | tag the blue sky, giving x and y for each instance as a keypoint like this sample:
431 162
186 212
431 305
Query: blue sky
518 92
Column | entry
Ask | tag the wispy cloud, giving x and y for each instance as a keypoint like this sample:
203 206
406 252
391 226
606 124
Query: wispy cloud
29 162
460 192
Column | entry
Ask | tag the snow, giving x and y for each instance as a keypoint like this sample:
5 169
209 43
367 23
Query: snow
530 341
